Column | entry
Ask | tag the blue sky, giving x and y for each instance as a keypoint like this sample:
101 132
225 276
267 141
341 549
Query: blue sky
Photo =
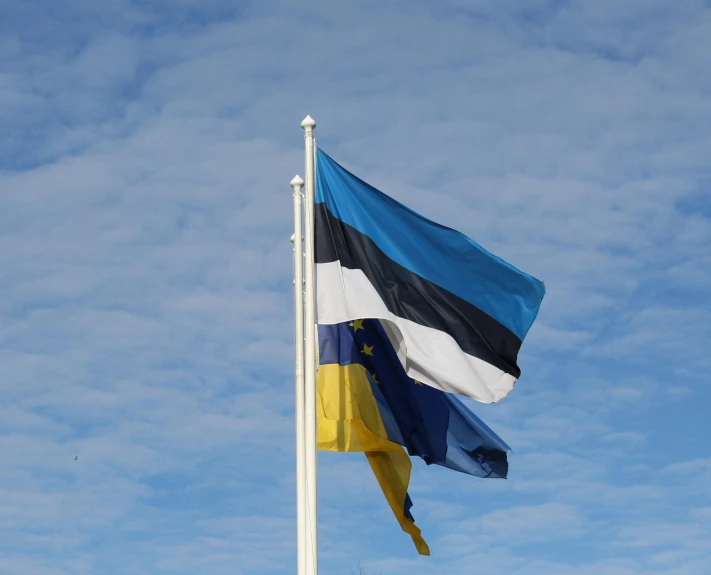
145 265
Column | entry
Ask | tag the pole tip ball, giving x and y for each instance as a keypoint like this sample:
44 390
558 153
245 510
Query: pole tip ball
308 122
296 182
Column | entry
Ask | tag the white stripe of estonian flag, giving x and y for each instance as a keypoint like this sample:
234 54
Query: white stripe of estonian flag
428 355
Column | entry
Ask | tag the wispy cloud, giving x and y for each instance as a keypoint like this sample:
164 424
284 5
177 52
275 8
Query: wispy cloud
145 275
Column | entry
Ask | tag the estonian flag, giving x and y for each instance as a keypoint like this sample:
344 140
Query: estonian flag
367 403
454 313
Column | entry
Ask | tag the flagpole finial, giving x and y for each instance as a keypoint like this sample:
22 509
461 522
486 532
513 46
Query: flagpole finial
297 182
308 122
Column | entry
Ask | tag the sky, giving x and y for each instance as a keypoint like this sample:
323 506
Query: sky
146 149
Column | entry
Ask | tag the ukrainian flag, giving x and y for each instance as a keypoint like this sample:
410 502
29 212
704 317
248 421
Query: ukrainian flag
367 403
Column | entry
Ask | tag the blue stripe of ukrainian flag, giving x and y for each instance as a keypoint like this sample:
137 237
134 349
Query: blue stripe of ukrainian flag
368 403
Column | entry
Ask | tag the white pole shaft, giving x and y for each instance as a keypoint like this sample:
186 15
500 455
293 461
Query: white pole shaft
301 548
310 347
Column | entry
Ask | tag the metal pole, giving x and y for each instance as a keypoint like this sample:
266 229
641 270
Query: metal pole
310 346
301 549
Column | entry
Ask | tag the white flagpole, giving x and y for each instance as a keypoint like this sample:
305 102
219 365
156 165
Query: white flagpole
310 349
296 239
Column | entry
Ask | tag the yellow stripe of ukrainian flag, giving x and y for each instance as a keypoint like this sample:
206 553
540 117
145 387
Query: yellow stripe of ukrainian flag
349 420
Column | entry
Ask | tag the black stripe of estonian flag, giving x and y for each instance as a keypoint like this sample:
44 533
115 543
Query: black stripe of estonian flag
410 296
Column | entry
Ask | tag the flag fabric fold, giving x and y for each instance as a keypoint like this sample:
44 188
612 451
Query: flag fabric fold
455 314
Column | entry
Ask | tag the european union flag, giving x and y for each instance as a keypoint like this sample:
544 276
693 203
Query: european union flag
368 403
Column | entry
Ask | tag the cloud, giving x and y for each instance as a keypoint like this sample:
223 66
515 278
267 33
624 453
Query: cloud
145 266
